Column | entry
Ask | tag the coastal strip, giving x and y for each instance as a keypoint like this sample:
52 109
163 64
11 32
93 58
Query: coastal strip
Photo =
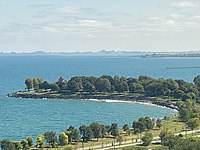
104 98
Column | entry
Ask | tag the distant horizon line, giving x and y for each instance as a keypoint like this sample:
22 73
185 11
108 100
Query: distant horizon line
94 52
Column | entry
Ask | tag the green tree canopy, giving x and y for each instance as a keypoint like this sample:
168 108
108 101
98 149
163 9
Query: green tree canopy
50 138
63 139
147 138
114 129
103 85
40 141
96 129
29 83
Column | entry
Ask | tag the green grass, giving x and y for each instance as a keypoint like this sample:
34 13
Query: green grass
171 124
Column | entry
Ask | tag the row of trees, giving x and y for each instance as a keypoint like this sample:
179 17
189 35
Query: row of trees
189 113
71 135
13 145
148 86
84 133
143 124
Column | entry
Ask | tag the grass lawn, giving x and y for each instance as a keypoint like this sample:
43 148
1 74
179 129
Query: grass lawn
171 124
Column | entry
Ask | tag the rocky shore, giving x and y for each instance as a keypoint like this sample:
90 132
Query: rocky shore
140 99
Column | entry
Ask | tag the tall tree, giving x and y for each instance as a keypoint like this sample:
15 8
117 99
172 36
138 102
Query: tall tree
50 138
114 129
126 129
103 85
197 81
25 145
40 141
74 86
7 145
86 132
63 139
73 134
88 87
29 83
54 87
30 141
45 85
37 82
96 129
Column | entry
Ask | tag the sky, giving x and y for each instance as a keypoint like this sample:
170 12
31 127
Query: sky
93 25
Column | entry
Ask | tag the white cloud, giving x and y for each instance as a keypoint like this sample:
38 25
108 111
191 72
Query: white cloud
184 4
68 10
49 29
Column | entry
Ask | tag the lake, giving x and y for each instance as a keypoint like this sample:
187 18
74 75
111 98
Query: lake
25 117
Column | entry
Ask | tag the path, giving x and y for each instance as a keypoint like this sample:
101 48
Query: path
130 142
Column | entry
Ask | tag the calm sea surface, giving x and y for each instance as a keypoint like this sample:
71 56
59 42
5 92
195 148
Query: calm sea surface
20 118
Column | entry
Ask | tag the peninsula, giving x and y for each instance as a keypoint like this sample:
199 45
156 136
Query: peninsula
177 94
163 92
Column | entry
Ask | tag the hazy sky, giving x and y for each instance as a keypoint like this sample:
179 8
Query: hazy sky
92 25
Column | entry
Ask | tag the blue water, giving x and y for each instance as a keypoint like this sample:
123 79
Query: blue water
20 118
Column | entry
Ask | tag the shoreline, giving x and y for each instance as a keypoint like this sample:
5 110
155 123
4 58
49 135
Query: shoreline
153 101
130 102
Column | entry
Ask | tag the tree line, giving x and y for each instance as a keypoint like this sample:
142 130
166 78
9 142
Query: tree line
84 133
144 85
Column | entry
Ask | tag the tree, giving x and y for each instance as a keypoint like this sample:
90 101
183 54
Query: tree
158 123
86 132
114 129
147 138
30 141
186 144
18 145
96 129
63 139
88 87
82 130
89 133
187 110
29 83
167 138
178 94
149 123
74 86
142 124
145 80
103 85
121 87
139 125
73 134
40 141
24 144
50 138
184 114
45 85
197 81
126 129
37 82
7 145
193 123
136 88
54 87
